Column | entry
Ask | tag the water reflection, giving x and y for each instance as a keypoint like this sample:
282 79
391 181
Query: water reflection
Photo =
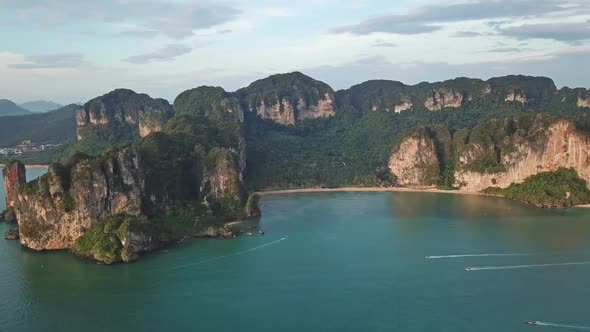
480 214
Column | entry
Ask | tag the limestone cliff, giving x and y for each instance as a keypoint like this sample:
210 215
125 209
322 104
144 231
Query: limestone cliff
289 98
185 179
414 160
443 98
121 112
497 153
545 144
56 209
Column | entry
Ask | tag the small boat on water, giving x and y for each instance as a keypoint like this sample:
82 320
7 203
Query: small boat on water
532 322
249 233
261 232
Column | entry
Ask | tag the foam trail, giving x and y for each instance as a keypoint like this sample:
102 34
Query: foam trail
481 268
577 327
230 255
474 255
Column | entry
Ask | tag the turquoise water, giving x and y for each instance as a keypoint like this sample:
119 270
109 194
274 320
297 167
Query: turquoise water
349 262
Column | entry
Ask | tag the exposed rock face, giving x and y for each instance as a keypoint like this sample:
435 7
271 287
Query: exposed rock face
14 175
561 146
406 105
442 98
55 210
122 110
516 96
289 98
415 161
583 102
282 112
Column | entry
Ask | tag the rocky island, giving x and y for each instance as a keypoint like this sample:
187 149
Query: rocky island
142 173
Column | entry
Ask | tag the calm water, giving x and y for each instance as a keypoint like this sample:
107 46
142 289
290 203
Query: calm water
350 262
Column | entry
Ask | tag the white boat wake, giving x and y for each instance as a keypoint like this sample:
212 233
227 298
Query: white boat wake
474 255
482 268
230 255
577 327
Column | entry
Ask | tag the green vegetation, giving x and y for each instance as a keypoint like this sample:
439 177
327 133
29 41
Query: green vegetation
103 241
293 86
559 189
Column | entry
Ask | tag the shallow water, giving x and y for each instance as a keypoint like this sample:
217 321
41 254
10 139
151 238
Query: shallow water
349 262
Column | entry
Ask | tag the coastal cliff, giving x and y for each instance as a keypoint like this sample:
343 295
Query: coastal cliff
495 154
183 180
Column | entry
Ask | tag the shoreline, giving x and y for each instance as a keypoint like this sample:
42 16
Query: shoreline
30 166
370 189
263 193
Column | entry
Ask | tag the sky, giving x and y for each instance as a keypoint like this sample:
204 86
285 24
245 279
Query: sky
72 51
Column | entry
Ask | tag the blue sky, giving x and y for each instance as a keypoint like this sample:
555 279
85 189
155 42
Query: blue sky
70 50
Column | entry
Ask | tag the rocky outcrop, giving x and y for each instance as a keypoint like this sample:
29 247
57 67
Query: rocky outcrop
516 96
209 102
289 98
583 102
547 147
405 105
414 160
495 154
56 209
122 112
14 175
443 98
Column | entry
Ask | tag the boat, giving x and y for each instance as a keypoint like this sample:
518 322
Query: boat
428 257
532 322
261 232
468 269
249 233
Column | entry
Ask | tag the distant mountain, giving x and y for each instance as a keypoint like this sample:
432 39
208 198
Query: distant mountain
8 108
40 106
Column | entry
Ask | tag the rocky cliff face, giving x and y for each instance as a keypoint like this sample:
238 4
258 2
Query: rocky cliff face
547 146
122 110
185 180
59 207
443 98
497 153
289 98
414 160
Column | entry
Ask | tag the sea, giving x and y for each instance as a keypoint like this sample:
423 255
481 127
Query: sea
368 261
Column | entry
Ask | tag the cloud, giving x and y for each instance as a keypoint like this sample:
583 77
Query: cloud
466 34
428 18
166 53
177 19
562 67
277 12
47 61
139 33
564 32
504 50
383 44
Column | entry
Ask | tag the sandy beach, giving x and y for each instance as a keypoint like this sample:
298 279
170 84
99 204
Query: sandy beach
369 189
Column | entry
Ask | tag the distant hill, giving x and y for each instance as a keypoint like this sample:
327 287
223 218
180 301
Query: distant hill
8 108
40 106
57 126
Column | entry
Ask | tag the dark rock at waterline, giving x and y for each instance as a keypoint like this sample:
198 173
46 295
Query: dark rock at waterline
11 234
